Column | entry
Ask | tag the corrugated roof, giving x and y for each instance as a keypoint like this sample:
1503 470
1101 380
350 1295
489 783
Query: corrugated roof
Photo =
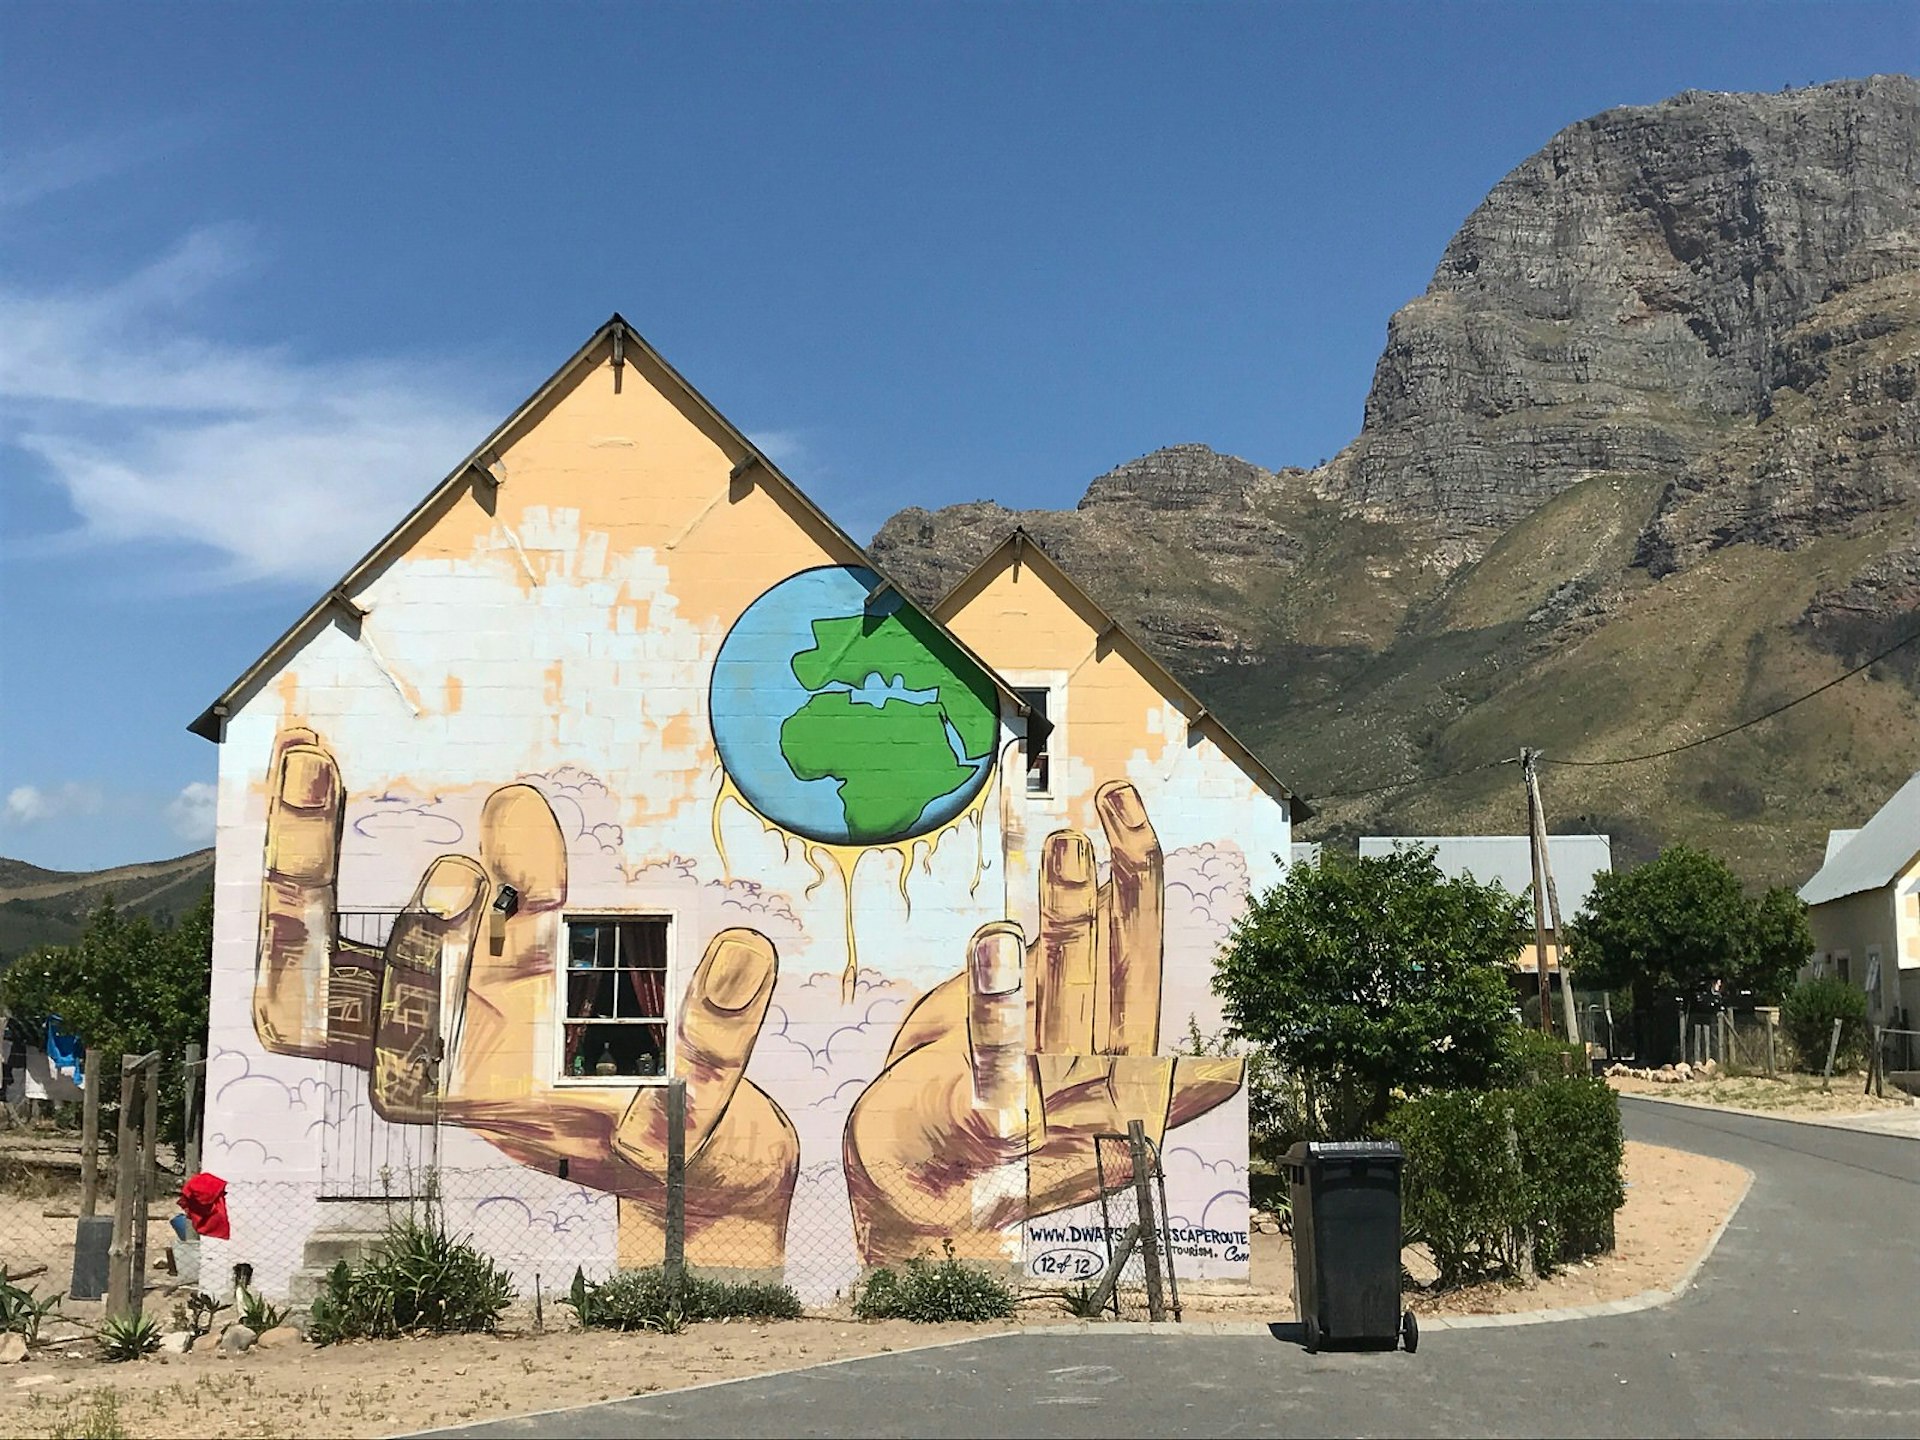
1880 850
1837 840
1576 859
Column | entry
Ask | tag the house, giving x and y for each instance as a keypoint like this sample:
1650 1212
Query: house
1863 906
1113 711
1576 860
616 761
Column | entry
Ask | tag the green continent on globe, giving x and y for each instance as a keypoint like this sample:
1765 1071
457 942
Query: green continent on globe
892 760
906 646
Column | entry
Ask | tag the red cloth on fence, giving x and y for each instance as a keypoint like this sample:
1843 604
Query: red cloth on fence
204 1198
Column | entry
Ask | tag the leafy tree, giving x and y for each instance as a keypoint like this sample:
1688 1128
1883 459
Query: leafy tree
1781 942
125 987
1681 922
1363 976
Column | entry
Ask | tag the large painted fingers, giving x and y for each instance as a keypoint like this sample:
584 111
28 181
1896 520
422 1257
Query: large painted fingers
305 806
1062 1002
500 1032
720 1018
1133 927
997 1029
427 955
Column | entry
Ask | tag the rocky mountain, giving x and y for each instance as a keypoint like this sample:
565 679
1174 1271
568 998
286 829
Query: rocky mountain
1642 461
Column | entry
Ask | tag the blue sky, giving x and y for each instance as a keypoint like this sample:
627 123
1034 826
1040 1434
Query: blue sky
267 272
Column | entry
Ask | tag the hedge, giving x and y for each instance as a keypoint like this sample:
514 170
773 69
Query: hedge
1493 1175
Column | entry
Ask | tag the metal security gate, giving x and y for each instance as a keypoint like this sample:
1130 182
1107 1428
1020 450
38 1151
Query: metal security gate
364 1156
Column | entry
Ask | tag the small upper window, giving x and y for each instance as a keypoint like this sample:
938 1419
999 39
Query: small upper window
1034 748
616 999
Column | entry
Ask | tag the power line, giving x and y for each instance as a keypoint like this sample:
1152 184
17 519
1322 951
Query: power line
1418 780
1870 661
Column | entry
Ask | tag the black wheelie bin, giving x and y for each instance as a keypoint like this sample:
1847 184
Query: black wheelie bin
1346 1244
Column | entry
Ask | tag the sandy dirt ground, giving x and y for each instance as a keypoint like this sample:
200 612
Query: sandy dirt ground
1675 1202
1755 1094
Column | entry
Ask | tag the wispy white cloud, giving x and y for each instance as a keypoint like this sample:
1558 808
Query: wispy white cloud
788 449
190 813
29 174
283 466
30 804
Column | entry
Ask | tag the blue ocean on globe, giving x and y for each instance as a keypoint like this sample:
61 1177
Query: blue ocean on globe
843 761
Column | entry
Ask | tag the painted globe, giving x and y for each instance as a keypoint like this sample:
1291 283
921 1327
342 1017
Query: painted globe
849 721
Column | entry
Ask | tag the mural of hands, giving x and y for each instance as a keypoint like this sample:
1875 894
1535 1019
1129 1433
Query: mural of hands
1000 1077
454 1018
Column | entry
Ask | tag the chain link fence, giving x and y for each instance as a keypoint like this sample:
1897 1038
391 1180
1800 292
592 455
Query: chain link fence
819 1228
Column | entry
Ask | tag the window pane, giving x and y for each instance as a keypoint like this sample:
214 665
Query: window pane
1034 744
641 995
643 944
591 994
580 945
609 1049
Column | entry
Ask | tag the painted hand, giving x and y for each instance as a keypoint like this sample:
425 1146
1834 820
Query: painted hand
1000 1077
449 984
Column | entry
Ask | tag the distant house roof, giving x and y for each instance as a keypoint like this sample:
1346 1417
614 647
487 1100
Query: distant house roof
1576 859
1836 842
1878 851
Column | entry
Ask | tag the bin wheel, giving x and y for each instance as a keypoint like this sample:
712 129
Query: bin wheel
1314 1336
1409 1331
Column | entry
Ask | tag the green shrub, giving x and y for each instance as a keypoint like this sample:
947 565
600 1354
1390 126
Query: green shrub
128 1337
419 1278
1490 1175
1461 1181
22 1310
644 1300
1808 1013
257 1315
1533 1057
931 1291
1572 1156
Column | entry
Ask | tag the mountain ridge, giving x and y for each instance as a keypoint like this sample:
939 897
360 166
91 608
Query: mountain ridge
1643 461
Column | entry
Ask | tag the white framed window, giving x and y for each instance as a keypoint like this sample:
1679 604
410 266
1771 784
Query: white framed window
613 992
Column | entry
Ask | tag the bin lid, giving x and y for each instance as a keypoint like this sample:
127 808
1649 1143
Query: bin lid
1317 1151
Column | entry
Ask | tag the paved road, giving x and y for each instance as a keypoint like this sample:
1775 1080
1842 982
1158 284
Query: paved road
1805 1322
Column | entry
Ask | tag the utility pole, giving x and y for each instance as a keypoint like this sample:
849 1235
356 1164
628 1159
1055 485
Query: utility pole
1539 898
1537 826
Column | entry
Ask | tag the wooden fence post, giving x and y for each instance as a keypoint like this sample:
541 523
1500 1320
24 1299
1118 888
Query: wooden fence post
1833 1049
149 1172
90 1136
192 1090
1149 1230
118 1252
1768 1014
676 1255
